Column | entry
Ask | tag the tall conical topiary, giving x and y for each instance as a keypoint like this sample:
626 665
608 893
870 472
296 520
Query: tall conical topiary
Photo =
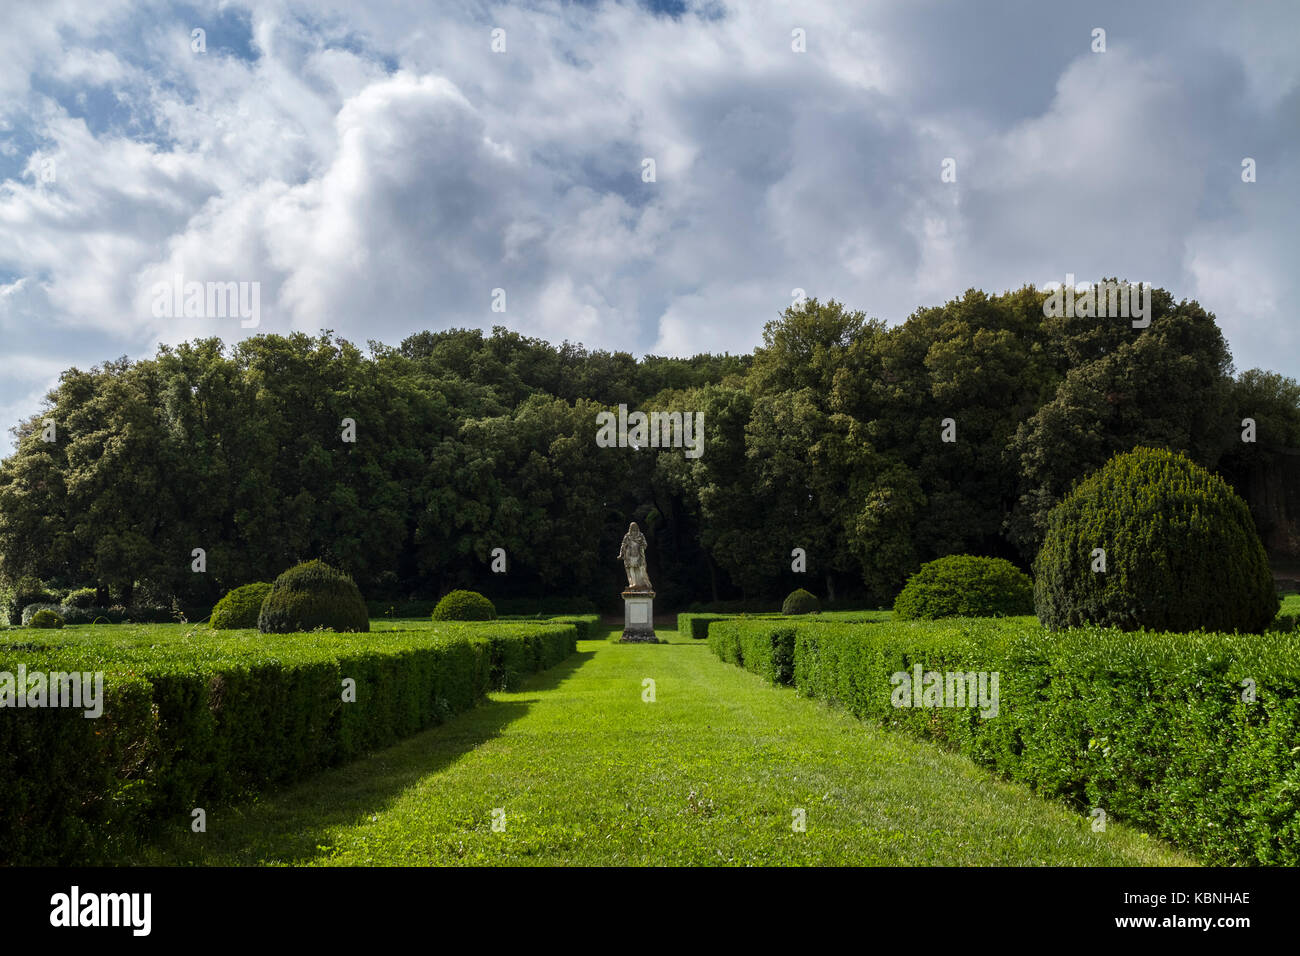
1153 540
310 596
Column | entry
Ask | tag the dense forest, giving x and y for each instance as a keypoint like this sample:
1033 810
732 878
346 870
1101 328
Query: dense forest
830 437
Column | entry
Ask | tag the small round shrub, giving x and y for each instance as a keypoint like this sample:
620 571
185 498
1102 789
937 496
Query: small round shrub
1181 551
464 606
965 585
45 618
31 610
313 595
800 601
240 607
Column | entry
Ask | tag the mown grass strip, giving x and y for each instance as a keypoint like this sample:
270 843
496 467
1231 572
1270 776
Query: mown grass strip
1190 736
585 771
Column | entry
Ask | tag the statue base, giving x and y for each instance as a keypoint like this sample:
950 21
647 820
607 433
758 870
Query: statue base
639 618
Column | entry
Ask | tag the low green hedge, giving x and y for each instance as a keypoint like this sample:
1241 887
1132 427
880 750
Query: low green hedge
764 647
588 625
1150 727
696 625
506 607
193 723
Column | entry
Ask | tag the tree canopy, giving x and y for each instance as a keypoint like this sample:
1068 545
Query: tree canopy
828 438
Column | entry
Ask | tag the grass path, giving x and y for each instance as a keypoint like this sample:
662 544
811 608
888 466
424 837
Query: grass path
710 773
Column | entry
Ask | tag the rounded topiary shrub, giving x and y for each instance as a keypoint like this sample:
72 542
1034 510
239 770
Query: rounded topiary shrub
1153 540
965 585
310 596
45 618
240 607
800 601
31 610
464 606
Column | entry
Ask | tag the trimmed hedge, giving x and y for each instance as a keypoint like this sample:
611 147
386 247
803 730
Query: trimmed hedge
1151 727
189 724
697 625
965 585
464 606
313 595
764 647
505 607
1182 552
588 625
241 607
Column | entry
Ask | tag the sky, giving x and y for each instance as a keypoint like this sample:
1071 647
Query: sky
380 168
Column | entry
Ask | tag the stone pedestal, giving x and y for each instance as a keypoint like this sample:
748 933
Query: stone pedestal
639 617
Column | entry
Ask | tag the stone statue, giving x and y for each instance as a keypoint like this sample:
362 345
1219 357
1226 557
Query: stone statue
632 552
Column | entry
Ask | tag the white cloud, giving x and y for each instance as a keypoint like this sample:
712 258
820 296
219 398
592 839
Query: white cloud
379 170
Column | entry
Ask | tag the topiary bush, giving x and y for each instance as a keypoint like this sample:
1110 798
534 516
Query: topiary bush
81 597
965 585
1181 551
464 606
313 595
801 602
240 607
45 618
31 610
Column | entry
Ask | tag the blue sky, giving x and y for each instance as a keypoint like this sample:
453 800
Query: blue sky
378 169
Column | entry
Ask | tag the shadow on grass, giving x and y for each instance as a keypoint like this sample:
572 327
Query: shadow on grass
291 825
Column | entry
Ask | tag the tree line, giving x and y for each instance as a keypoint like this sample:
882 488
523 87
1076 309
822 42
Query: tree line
829 438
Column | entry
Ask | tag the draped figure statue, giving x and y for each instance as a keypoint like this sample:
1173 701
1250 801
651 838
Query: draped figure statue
632 553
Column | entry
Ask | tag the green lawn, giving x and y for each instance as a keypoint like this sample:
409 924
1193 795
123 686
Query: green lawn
710 773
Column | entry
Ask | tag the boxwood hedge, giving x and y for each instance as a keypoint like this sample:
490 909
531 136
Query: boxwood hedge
191 723
1189 736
